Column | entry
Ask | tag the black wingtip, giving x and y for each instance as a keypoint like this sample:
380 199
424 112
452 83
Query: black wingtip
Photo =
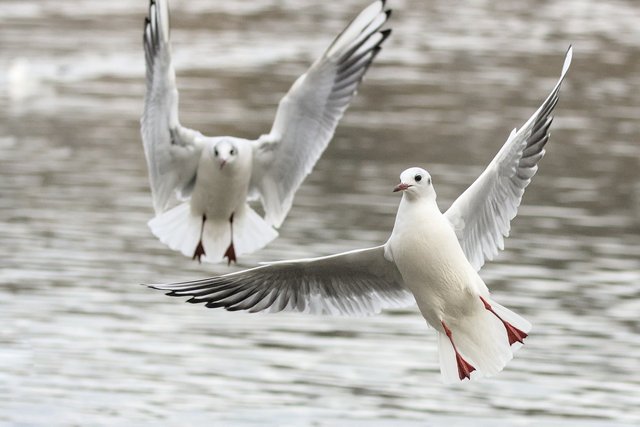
158 287
216 304
374 53
569 50
388 12
385 33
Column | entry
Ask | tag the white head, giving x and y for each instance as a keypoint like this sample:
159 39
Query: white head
224 152
415 183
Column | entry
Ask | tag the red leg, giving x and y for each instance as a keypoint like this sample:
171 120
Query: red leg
199 252
514 334
464 367
231 252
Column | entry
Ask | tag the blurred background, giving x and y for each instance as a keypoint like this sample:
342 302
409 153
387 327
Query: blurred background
82 343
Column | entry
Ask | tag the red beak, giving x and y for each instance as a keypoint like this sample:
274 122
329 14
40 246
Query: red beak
401 187
224 162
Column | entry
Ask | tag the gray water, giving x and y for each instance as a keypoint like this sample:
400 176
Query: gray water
82 344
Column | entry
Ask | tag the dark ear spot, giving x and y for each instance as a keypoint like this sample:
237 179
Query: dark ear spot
429 181
215 152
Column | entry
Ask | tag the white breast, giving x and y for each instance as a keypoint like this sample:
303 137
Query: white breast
426 250
220 192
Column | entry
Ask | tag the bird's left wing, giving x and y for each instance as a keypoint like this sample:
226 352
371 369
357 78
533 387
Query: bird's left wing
359 282
481 216
309 113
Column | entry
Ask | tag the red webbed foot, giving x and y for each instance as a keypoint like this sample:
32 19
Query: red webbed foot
464 368
513 334
230 254
199 252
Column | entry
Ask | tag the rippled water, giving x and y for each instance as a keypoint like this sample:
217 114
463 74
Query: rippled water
81 343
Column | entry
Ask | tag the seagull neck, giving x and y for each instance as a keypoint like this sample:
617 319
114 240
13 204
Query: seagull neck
420 203
420 198
413 212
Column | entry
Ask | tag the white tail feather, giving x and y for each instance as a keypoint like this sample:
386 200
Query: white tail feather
180 229
251 232
481 339
515 319
216 239
448 366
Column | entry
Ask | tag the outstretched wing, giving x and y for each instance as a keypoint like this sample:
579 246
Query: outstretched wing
308 115
481 216
351 283
172 151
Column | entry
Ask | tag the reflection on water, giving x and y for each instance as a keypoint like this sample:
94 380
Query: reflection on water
82 344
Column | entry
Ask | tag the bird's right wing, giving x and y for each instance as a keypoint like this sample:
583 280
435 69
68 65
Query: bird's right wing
308 114
358 282
482 215
172 151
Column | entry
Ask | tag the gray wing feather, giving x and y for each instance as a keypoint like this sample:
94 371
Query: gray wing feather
172 151
482 215
359 282
308 115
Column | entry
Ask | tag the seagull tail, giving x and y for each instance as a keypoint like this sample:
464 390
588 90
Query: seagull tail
250 231
181 230
178 228
486 340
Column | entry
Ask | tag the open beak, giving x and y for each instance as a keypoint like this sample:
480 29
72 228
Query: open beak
401 187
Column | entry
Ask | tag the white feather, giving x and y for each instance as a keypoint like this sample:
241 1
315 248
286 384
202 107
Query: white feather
177 228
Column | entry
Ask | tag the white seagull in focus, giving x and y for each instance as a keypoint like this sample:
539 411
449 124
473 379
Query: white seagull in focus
217 176
431 258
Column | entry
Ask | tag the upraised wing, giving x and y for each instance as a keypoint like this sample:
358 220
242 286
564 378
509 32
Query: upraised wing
172 151
359 282
308 115
481 216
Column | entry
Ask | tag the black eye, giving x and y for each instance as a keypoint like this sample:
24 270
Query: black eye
232 152
418 178
215 152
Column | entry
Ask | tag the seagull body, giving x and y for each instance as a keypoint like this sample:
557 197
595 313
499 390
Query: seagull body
424 247
449 292
219 191
431 258
217 176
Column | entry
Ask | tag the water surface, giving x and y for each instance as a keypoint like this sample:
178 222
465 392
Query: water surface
81 343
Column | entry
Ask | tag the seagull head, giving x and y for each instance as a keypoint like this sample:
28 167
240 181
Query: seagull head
414 183
224 152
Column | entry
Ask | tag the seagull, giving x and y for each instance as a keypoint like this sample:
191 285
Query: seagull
215 177
431 258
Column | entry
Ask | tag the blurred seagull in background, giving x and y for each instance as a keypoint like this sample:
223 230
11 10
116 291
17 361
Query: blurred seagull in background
217 176
431 258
